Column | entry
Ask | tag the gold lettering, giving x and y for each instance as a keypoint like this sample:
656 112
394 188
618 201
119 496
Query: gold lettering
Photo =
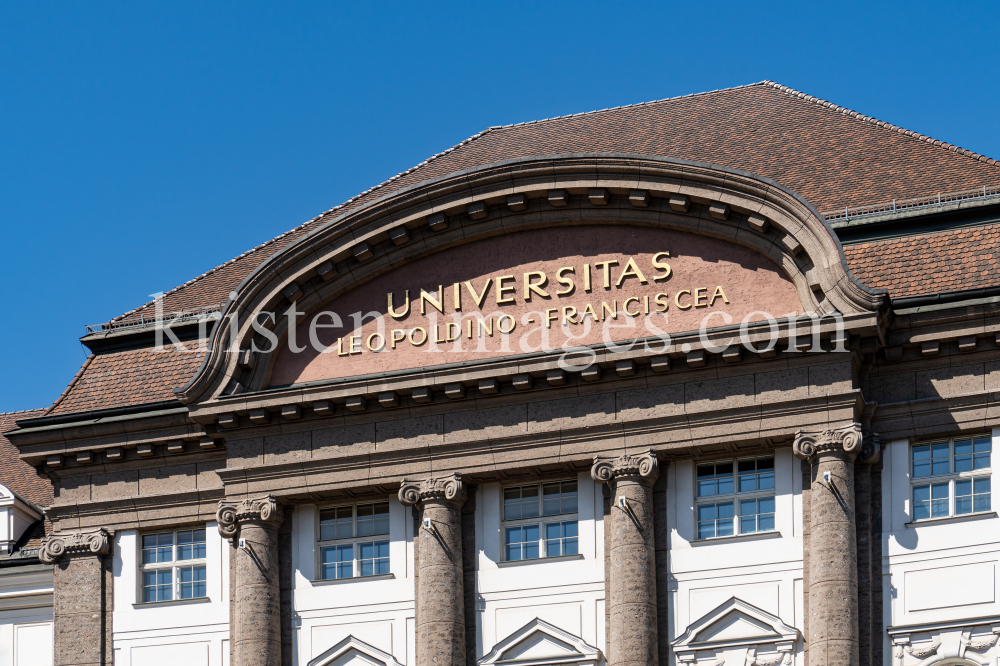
393 339
501 289
625 306
606 266
484 329
536 287
567 316
381 342
551 316
451 331
631 270
677 299
437 303
355 344
478 298
437 336
513 323
468 328
661 265
605 310
662 302
586 277
645 307
719 294
340 348
701 297
589 312
458 297
406 310
422 340
565 281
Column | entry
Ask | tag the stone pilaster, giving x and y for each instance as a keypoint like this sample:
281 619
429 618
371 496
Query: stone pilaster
256 628
633 640
440 597
83 602
833 553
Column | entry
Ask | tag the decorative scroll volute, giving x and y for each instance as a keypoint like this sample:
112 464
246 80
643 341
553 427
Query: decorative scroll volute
846 440
642 465
60 544
232 513
447 488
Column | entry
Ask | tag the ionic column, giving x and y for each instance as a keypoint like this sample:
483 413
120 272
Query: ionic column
833 564
440 598
632 603
82 596
252 525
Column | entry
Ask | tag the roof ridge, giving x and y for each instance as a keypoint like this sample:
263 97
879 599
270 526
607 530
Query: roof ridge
22 411
310 221
883 124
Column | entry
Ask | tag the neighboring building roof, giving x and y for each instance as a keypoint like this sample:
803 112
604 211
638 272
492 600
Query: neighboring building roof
16 474
832 156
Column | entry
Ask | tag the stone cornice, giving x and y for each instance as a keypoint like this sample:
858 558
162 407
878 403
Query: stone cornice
233 513
840 441
643 466
439 489
68 544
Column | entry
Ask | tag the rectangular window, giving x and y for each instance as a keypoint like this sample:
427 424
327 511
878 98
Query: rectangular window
951 478
347 548
740 496
172 566
540 520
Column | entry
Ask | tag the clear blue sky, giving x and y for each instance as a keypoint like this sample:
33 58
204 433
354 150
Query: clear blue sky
144 143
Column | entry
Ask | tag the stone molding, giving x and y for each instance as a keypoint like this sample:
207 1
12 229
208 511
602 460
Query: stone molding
63 544
446 488
641 465
232 513
846 440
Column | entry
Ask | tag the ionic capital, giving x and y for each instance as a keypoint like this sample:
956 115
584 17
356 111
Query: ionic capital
846 440
641 465
232 513
446 488
64 544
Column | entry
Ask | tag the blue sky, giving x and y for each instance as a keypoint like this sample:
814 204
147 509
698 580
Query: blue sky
141 144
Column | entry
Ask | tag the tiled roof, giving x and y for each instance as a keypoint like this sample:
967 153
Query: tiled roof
128 377
953 260
832 156
16 474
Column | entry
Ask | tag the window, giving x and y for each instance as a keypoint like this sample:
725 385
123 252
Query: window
951 478
172 566
540 521
348 543
735 497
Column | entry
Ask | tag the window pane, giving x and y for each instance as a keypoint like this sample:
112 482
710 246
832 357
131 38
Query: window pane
191 545
374 558
193 584
157 548
981 453
336 523
921 502
521 502
337 562
373 519
715 479
521 543
157 585
939 500
939 458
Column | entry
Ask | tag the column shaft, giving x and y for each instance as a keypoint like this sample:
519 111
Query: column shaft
632 599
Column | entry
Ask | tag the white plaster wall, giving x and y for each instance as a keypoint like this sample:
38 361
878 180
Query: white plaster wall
190 633
377 611
26 617
935 573
763 571
566 593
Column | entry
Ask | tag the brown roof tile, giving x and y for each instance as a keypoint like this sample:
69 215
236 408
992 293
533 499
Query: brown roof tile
16 474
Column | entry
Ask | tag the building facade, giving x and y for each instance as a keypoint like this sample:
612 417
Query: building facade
632 387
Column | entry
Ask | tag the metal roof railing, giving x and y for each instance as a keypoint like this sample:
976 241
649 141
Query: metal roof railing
985 192
142 321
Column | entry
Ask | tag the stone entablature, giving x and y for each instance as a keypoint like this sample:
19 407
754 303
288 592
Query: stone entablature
68 544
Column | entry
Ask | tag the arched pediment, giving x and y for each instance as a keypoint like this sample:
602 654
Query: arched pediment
725 227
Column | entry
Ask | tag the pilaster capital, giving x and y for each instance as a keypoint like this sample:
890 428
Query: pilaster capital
232 513
641 465
846 440
65 544
445 488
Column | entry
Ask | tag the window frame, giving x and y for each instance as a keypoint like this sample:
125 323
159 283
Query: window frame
354 541
733 498
950 477
540 520
174 565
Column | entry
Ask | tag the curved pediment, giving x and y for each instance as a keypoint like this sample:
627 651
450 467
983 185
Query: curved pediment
463 244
